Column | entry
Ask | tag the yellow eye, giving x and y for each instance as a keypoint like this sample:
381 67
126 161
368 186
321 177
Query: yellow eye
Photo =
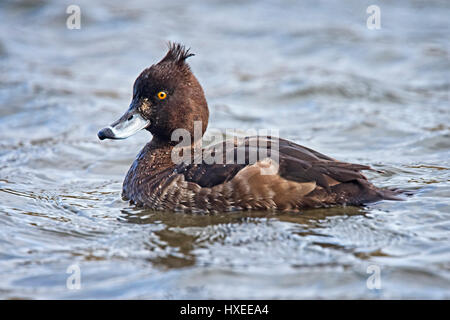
162 95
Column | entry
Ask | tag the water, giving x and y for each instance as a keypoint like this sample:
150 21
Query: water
311 69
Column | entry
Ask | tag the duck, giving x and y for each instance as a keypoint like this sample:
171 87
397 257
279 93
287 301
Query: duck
168 99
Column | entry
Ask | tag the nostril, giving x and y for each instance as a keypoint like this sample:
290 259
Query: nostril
130 117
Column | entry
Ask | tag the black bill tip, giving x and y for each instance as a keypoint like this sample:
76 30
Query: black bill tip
105 133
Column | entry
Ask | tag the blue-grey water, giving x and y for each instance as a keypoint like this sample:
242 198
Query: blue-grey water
311 69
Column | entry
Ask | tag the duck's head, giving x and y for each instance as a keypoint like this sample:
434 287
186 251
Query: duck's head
166 97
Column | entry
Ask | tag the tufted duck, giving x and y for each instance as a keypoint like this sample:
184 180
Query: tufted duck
167 97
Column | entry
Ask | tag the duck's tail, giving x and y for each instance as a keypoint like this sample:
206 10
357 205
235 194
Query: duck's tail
391 194
360 191
370 193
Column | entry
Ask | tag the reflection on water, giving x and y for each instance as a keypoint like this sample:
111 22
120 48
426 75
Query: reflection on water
310 69
187 232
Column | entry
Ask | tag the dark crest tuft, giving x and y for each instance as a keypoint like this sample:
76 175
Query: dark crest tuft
177 53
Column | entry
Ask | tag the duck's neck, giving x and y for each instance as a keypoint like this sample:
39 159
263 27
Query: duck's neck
150 163
155 157
153 162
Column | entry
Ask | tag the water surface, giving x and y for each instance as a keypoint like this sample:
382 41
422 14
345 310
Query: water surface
311 69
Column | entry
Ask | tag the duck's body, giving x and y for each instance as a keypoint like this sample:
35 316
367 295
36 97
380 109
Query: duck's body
303 179
289 177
